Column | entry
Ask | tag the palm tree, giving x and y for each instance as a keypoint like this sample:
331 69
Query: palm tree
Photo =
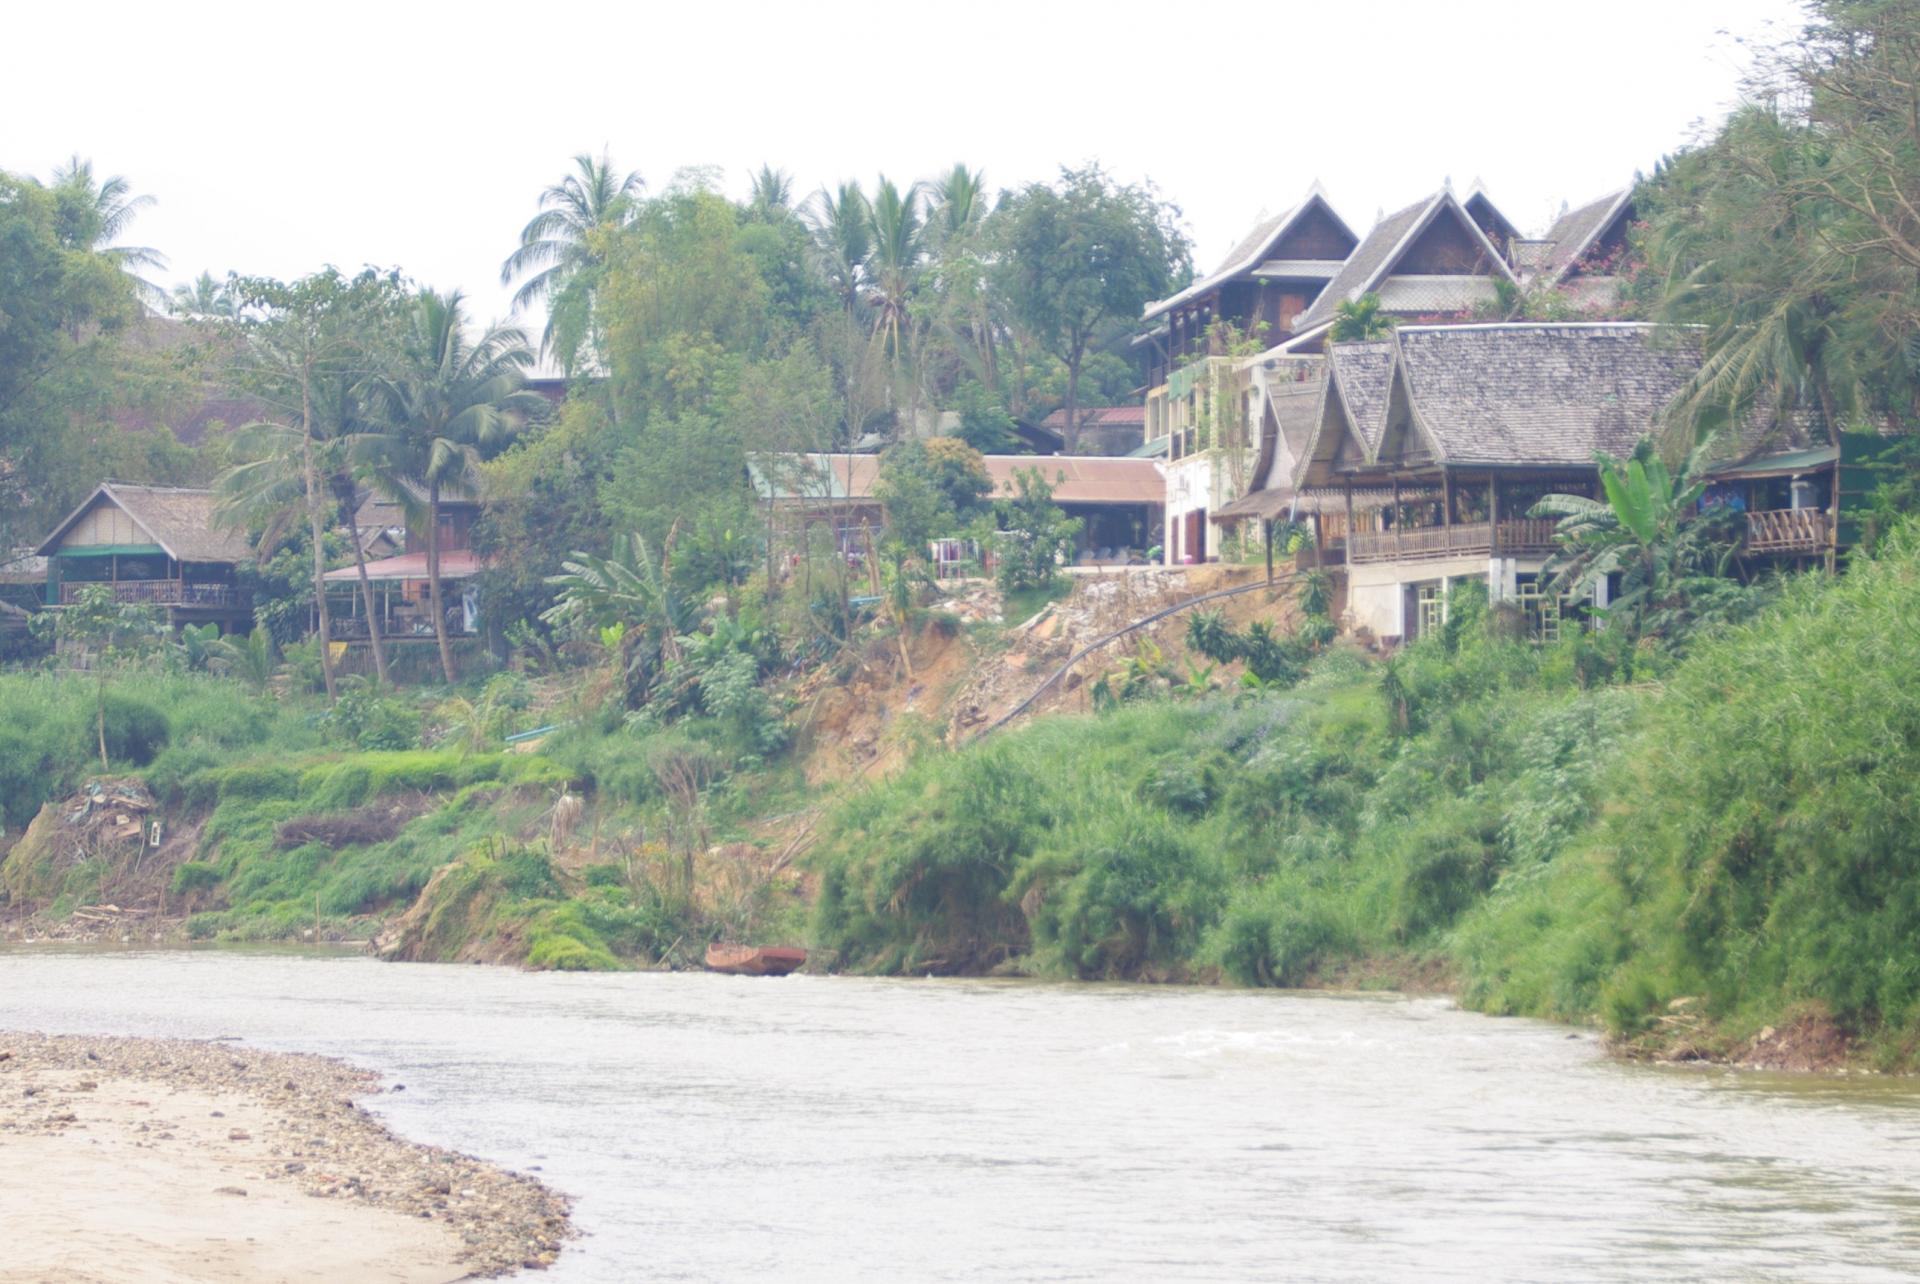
205 297
1646 530
772 193
956 203
893 268
842 228
251 659
558 257
455 403
94 213
1359 319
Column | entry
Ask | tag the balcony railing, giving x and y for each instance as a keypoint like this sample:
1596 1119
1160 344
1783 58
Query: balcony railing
1787 530
1522 535
156 592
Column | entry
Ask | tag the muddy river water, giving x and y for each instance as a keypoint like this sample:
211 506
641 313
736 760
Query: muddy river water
815 1128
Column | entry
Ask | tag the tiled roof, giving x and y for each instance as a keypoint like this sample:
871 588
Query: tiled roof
1423 293
455 564
1539 394
1363 374
180 520
1375 258
1247 255
1576 230
1134 416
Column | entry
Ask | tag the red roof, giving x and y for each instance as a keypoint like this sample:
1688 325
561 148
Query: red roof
1100 417
455 564
1085 479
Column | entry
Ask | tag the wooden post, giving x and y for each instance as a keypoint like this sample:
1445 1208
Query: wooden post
1267 526
1319 542
1347 485
1493 515
1446 498
1396 517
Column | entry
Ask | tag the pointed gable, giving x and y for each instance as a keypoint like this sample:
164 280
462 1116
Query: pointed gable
1310 231
1435 237
181 522
1595 226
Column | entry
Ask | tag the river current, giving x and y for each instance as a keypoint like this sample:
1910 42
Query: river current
813 1128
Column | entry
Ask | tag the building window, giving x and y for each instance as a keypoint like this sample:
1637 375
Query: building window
1430 608
1541 609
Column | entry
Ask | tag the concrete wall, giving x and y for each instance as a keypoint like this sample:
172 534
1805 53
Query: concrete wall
1376 592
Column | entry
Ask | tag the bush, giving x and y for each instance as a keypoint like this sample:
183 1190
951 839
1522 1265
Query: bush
135 730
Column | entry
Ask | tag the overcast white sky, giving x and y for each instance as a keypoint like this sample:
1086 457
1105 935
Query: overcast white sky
278 138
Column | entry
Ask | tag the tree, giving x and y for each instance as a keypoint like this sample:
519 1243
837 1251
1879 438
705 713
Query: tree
112 633
772 193
94 213
1035 536
455 403
1647 530
251 659
62 308
633 593
893 266
1359 319
842 228
205 296
563 246
931 489
306 352
1079 257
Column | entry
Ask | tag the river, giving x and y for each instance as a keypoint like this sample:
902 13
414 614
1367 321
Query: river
815 1128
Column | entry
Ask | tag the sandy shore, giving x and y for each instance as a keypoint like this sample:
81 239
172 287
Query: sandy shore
151 1161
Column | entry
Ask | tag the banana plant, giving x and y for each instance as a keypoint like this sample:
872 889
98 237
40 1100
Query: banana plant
1647 530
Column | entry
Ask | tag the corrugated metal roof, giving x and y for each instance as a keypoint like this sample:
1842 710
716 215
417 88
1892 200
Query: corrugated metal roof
455 564
1076 479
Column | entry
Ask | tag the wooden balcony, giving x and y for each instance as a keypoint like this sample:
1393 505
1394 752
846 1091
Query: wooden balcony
1522 536
157 593
1787 530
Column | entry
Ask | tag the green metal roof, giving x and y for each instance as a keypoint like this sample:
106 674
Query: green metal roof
1784 464
1152 450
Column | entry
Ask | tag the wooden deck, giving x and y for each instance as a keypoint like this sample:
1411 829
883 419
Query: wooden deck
1787 530
1525 537
157 592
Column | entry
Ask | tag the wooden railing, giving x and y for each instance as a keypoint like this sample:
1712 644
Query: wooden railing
1787 530
156 592
1523 535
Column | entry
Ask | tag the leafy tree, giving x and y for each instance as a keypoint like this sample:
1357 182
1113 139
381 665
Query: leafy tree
113 634
931 489
1358 319
62 309
985 424
1081 256
1035 537
562 250
455 401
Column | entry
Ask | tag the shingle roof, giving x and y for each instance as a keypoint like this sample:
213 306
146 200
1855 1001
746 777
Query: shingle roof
180 520
1539 394
1363 374
1375 257
1576 230
1253 247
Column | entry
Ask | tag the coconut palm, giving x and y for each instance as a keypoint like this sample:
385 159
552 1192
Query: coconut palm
94 213
956 203
893 267
772 193
205 296
842 232
558 255
454 402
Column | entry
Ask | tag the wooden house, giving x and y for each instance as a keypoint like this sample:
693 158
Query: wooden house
405 612
154 544
1432 445
1118 499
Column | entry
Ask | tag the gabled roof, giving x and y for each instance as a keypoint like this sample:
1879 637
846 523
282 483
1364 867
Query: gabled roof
1252 250
1534 394
1375 258
1574 232
1363 377
180 520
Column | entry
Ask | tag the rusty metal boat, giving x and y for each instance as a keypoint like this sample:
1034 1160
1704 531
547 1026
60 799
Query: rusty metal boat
754 960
